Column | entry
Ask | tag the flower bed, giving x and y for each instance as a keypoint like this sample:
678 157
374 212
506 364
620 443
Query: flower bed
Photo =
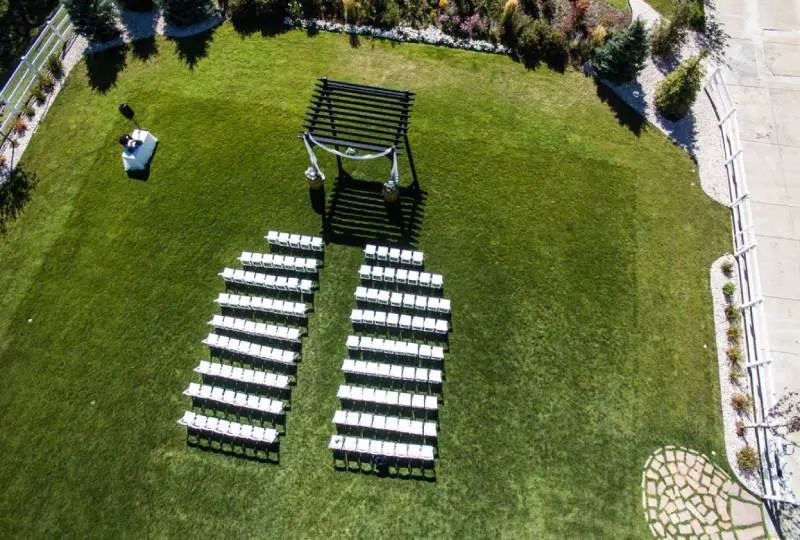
430 35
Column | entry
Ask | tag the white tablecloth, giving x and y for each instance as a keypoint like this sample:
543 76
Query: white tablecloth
138 158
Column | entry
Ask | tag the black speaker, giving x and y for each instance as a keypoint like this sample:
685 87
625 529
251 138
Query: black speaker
126 111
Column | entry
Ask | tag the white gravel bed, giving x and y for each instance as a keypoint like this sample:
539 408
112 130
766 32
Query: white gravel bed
697 132
733 443
72 56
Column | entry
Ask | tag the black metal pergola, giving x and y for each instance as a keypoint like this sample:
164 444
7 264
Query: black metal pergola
348 119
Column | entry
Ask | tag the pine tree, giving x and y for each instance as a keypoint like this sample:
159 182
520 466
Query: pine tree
94 19
677 92
623 56
185 12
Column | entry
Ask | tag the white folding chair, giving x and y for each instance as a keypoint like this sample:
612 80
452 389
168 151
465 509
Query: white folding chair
406 256
388 275
365 271
394 255
382 253
369 252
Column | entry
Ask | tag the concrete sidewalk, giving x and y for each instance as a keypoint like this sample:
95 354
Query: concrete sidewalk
763 56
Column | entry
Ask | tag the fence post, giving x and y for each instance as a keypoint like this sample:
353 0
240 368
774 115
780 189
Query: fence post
30 64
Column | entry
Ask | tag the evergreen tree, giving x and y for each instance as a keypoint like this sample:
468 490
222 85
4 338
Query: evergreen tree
94 19
677 92
623 56
668 35
185 12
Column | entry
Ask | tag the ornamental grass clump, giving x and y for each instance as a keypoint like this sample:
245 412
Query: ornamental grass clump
734 333
676 93
735 375
735 355
622 57
55 66
727 268
20 126
732 313
741 402
46 82
746 459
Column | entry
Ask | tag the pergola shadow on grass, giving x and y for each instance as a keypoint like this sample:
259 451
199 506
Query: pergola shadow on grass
356 213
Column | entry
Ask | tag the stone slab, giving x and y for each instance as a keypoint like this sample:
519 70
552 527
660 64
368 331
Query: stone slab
786 106
755 114
764 169
783 319
772 219
782 59
778 14
779 260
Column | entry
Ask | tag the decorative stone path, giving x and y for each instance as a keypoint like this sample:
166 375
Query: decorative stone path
686 496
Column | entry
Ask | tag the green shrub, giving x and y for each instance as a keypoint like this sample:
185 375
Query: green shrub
735 355
622 57
729 288
732 313
677 92
94 19
55 66
390 16
741 402
538 41
28 112
38 95
666 38
746 459
185 12
734 333
727 268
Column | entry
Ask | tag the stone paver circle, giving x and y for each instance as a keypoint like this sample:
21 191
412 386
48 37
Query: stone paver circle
684 495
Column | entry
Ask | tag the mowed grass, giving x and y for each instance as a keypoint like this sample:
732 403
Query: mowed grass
575 252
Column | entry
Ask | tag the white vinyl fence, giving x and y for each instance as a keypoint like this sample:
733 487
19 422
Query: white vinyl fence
772 449
55 34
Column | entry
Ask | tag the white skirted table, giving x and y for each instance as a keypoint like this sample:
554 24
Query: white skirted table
137 158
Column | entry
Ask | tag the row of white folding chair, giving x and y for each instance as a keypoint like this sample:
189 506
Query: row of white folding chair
212 424
227 396
403 300
253 328
392 371
279 262
267 281
295 241
401 276
394 255
263 304
384 449
390 398
378 422
383 319
243 375
395 347
254 350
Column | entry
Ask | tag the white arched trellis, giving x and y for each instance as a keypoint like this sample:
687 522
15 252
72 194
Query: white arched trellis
314 172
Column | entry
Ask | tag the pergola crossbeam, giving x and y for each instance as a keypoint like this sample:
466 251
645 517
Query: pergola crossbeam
345 117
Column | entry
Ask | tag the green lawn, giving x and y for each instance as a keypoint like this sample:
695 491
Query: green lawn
575 252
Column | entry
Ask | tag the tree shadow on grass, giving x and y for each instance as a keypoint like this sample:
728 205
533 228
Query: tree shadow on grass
141 25
626 114
191 49
103 68
15 193
247 24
